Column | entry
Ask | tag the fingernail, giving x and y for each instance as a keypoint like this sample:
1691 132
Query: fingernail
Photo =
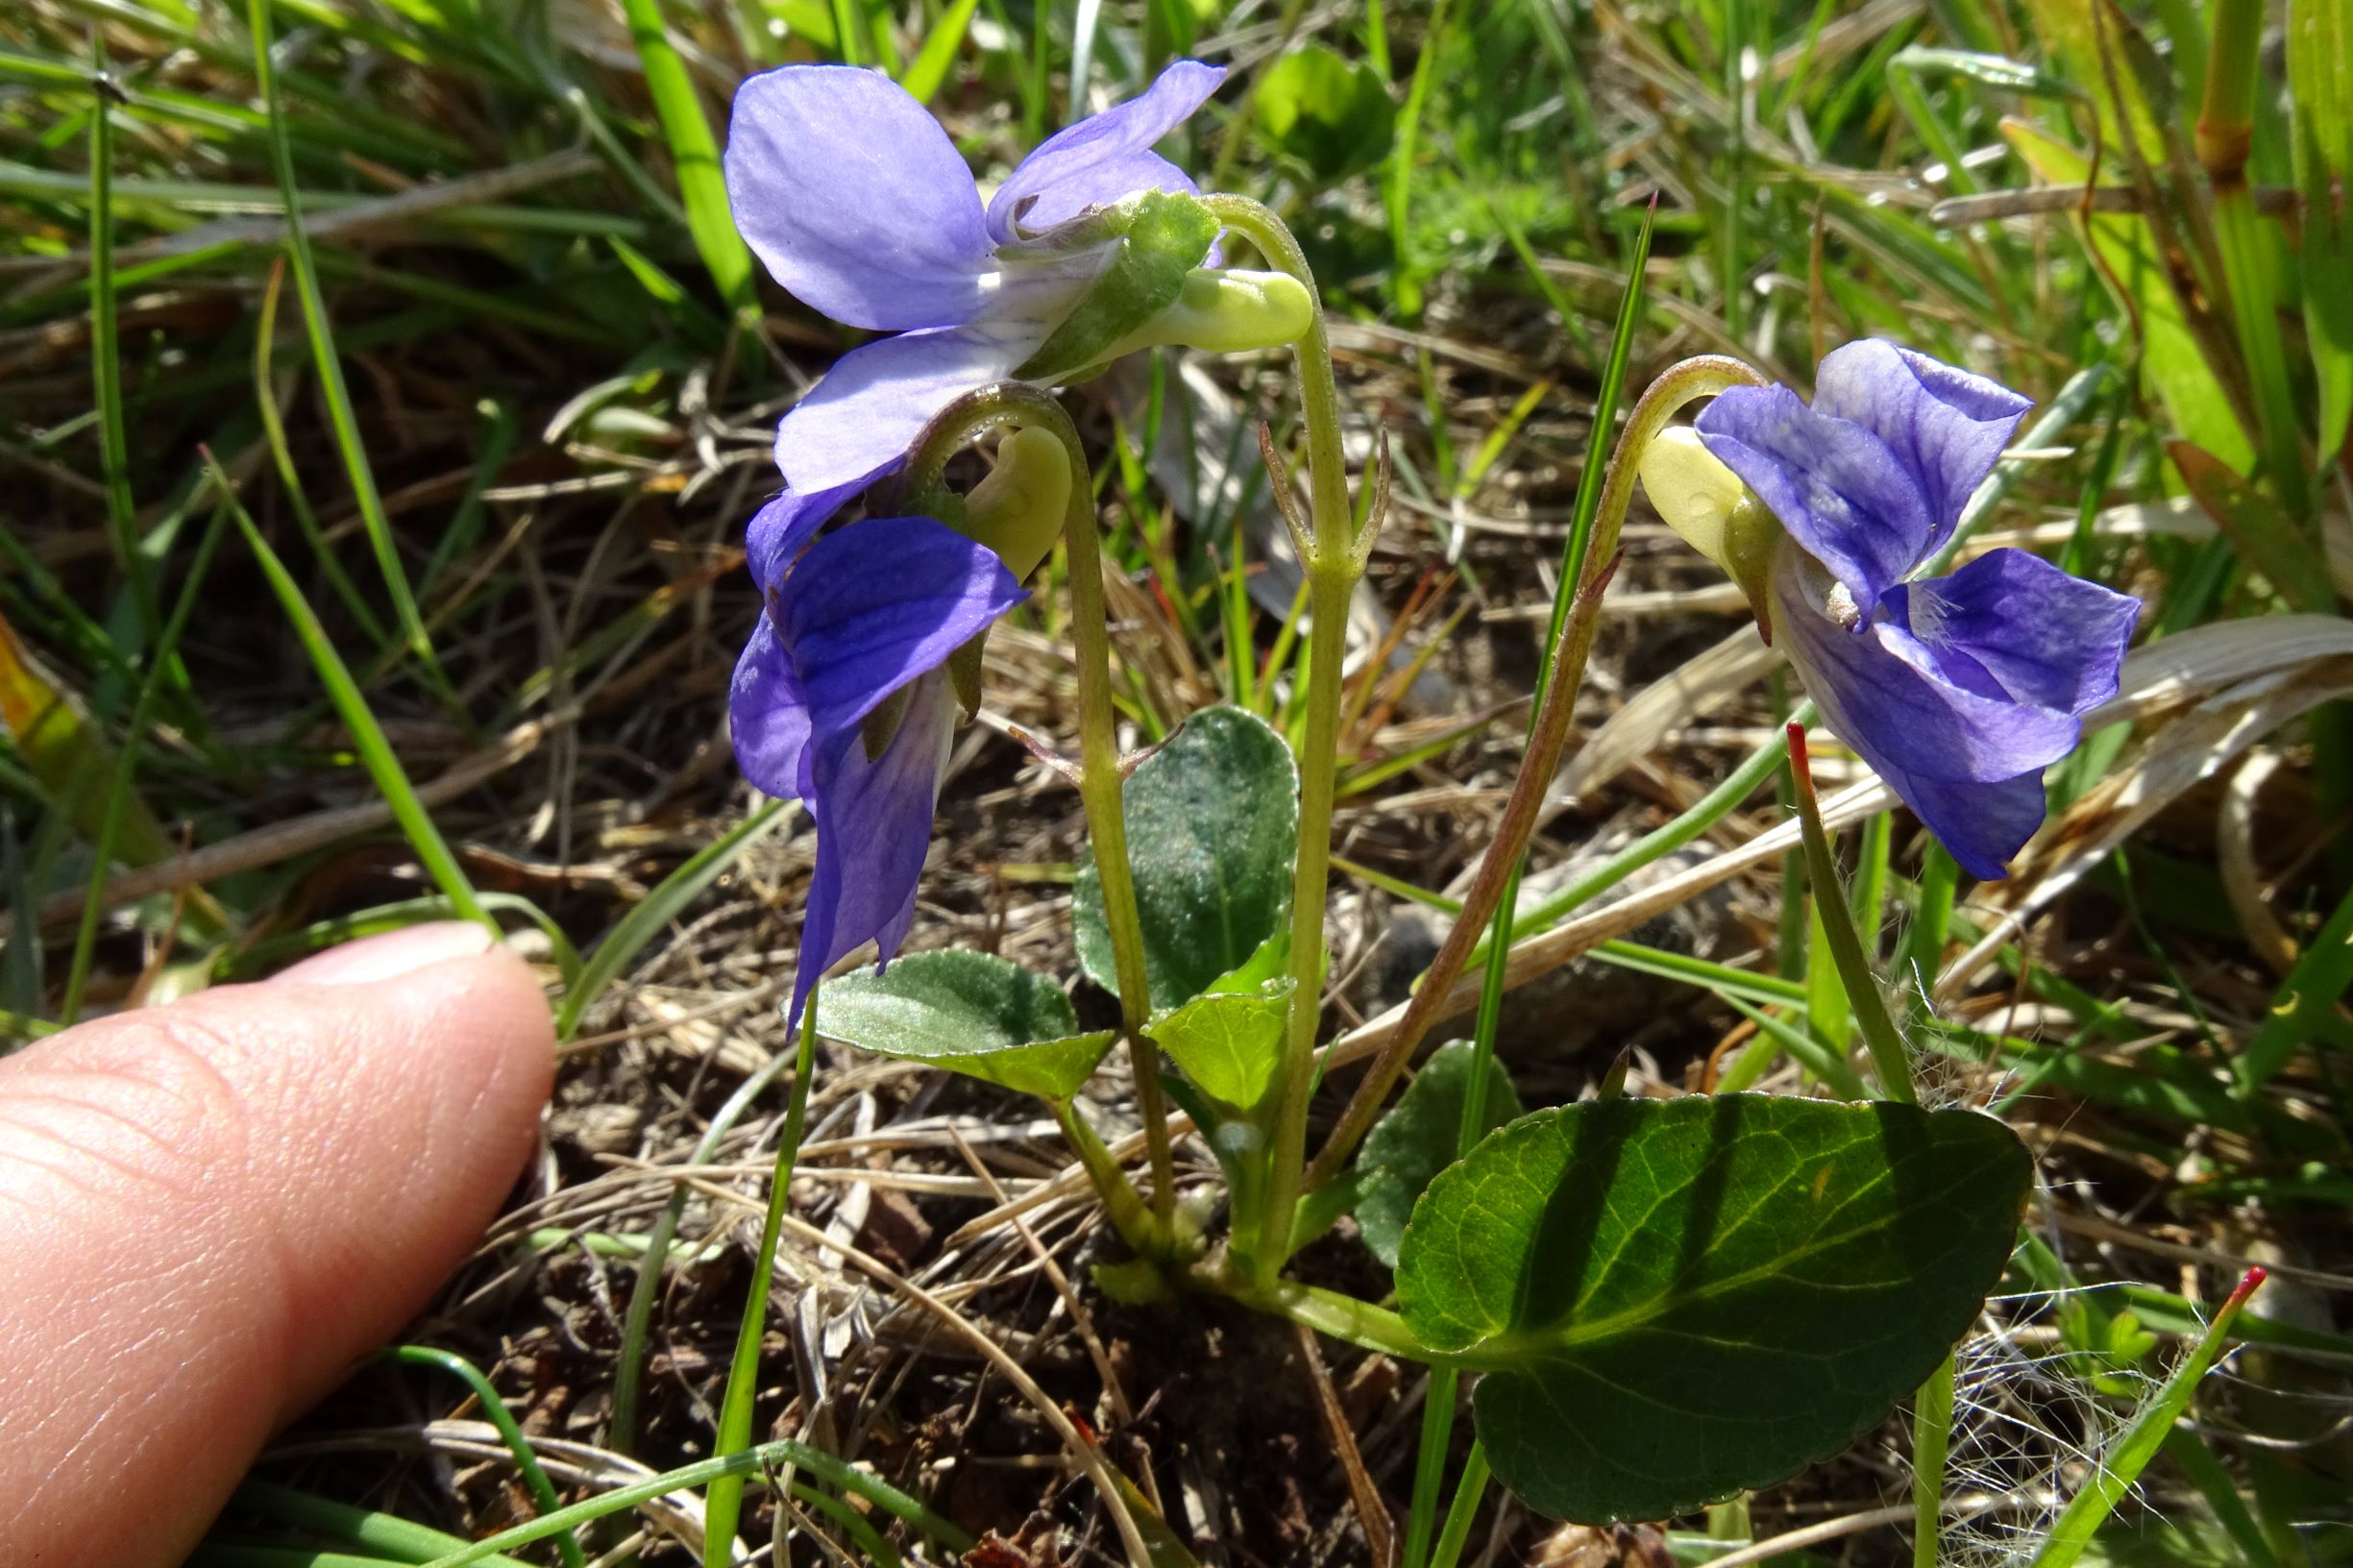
391 955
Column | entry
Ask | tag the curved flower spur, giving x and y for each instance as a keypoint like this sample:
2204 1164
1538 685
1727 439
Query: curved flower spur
1957 690
857 202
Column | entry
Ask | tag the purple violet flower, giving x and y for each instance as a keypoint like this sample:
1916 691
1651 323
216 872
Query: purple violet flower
856 201
848 624
1958 690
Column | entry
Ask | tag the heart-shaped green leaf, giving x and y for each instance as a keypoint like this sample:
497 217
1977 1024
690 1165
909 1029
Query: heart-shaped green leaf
1335 117
1673 1300
1213 824
1418 1137
969 1012
1229 1042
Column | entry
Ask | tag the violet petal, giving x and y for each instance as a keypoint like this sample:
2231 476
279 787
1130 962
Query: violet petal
767 719
1945 426
1104 158
1883 693
2012 625
873 828
855 199
1843 496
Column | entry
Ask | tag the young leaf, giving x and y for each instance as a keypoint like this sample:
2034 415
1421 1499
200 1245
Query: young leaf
1213 817
1417 1140
1673 1300
1229 1042
1335 117
969 1013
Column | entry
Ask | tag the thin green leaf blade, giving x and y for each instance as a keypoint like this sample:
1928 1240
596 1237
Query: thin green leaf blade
1675 1300
701 185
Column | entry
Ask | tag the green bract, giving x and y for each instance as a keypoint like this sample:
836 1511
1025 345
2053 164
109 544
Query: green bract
971 1013
1162 238
1213 821
1675 1300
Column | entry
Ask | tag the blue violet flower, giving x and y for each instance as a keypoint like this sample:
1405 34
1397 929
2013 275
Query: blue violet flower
842 699
856 201
1958 690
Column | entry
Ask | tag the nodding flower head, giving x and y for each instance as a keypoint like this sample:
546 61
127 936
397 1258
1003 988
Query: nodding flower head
844 698
856 201
1958 690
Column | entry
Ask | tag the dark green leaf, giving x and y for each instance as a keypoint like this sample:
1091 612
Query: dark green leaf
1335 117
1229 1042
1678 1299
1213 822
969 1012
1417 1140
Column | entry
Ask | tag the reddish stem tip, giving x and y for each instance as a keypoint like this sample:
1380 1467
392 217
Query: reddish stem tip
1800 765
2254 1276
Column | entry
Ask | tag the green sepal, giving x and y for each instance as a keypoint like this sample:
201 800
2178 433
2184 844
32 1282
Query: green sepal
1164 236
1018 506
963 673
880 726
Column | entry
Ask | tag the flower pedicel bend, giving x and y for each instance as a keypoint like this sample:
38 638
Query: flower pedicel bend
1958 690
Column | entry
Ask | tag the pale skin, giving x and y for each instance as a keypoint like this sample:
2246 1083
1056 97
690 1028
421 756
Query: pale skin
211 1209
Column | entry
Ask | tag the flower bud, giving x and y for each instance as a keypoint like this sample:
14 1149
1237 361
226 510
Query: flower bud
1706 505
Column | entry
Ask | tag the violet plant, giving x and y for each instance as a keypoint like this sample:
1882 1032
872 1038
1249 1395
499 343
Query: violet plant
1664 1302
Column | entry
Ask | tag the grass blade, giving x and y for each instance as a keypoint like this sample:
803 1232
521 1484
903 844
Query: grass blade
723 1504
332 384
2142 1440
106 352
119 793
368 737
692 153
661 906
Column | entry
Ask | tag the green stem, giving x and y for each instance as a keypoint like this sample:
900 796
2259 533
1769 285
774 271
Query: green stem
637 1321
1680 384
1099 778
723 1504
1931 1436
1333 564
1863 994
1430 1464
1468 1490
2121 1466
1328 1312
1134 1223
2225 135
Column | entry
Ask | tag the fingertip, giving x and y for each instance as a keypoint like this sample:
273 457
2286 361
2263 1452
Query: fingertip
232 1199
